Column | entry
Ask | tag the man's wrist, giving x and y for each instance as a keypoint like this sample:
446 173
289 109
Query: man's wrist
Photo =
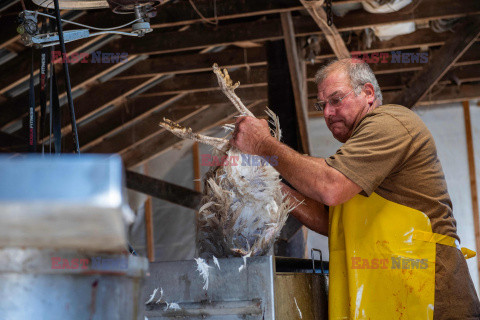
267 147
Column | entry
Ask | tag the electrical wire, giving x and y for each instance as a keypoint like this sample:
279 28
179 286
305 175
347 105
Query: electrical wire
84 25
202 16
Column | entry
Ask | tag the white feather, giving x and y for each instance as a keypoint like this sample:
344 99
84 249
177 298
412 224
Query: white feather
298 309
172 306
202 268
152 296
215 260
161 296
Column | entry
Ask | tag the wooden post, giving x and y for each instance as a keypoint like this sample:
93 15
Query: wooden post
149 225
197 183
298 79
473 181
196 167
281 99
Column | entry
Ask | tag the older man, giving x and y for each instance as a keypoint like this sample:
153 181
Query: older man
392 237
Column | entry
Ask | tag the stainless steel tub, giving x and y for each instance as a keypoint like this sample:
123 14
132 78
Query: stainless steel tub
268 288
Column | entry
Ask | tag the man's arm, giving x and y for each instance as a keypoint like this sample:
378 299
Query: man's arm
312 177
309 212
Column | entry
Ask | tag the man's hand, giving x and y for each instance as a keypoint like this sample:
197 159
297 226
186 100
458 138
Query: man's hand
250 135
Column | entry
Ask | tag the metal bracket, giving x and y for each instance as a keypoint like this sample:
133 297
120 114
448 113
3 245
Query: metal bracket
313 260
31 36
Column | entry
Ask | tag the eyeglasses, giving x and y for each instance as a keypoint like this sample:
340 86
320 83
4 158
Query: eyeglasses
333 101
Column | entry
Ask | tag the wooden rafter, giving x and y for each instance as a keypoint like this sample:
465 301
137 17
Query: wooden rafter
163 141
108 93
188 107
108 128
163 190
80 78
128 115
201 36
331 33
256 31
440 63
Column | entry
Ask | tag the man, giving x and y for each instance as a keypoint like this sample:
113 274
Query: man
392 236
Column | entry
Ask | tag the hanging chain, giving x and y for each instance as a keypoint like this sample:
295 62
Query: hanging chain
328 9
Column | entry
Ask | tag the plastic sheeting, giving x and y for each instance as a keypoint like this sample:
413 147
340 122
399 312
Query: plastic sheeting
374 6
388 32
174 225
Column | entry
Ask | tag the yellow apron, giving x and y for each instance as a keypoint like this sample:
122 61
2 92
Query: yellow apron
382 260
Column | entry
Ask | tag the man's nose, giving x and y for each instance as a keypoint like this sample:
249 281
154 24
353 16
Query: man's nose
328 111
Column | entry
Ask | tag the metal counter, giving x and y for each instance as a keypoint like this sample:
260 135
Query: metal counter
33 286
63 223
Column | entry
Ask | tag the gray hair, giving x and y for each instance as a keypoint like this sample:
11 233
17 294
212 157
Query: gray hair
358 71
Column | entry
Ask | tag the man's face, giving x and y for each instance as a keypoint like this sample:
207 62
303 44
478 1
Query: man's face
342 118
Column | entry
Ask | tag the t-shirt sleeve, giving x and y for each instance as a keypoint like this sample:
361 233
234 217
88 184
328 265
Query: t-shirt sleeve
377 148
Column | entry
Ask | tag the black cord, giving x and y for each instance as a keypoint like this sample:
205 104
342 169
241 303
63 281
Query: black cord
67 79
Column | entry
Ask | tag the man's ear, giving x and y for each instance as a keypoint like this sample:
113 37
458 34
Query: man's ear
369 92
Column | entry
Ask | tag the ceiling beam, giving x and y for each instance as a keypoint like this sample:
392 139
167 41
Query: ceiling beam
164 190
107 124
80 77
440 63
100 119
107 95
256 56
163 141
17 70
111 125
200 36
331 33
12 143
139 143
145 127
192 63
114 90
207 81
197 63
181 13
257 76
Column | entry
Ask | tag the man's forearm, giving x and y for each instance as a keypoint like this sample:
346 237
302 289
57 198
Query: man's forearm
308 175
309 212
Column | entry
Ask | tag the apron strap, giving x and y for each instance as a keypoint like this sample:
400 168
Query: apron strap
442 239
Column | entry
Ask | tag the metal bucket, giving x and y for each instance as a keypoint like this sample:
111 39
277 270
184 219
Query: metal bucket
60 284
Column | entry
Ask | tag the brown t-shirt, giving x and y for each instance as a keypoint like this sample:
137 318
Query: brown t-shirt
392 153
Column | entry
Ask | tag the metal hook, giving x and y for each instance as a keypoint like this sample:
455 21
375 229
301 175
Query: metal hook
313 260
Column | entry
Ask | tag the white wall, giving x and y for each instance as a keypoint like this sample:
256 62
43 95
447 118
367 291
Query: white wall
447 126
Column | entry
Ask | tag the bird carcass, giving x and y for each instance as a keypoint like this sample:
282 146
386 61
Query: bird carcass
243 208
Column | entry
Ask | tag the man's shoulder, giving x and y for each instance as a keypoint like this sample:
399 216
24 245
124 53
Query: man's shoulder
395 111
397 115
